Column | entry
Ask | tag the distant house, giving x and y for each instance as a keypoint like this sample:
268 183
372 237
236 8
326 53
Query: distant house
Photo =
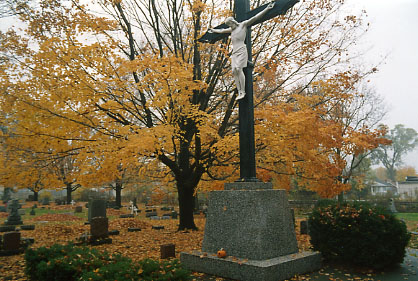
408 188
382 188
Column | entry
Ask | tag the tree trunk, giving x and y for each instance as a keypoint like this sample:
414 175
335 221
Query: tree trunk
186 202
69 191
118 199
35 196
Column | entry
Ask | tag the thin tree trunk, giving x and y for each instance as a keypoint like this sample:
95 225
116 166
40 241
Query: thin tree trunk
69 191
118 199
35 196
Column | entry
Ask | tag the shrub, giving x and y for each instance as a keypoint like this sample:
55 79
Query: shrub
151 270
358 234
69 262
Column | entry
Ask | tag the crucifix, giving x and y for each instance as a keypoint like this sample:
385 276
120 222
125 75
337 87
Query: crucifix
242 67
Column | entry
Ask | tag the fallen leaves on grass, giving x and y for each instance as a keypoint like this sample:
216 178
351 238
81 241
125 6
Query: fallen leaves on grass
57 217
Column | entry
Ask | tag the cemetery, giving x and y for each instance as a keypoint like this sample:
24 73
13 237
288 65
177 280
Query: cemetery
141 237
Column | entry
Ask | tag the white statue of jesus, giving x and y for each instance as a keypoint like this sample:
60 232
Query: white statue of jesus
239 57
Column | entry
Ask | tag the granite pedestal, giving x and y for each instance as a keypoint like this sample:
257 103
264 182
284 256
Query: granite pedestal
253 223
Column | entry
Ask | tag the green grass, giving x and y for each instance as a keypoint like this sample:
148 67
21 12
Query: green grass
411 220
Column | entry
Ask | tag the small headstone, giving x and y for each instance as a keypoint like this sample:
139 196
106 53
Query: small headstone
21 212
78 209
174 214
134 229
7 228
99 227
168 251
155 218
114 232
97 208
166 217
148 211
14 217
304 227
125 216
151 214
158 227
32 212
11 241
27 227
45 201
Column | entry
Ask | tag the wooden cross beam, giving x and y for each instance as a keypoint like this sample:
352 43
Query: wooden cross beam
246 104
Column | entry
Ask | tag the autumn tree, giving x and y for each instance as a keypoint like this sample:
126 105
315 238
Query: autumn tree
138 83
404 140
403 172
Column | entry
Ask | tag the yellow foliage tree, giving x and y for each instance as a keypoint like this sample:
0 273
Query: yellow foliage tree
138 90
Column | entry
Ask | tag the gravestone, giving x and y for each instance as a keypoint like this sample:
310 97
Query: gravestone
174 215
126 216
99 227
158 227
11 241
253 223
114 232
134 229
14 217
78 209
304 227
168 251
27 227
151 214
45 201
97 208
7 228
32 211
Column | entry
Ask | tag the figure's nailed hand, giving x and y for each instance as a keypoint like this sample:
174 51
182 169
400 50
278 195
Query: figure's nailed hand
271 5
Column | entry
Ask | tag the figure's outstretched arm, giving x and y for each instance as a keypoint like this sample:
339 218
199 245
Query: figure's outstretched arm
260 14
216 30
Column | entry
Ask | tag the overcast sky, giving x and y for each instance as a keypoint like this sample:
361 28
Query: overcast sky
394 32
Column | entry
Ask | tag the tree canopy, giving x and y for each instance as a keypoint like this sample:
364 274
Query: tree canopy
134 88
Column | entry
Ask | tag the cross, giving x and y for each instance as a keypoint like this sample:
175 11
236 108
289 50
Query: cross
246 104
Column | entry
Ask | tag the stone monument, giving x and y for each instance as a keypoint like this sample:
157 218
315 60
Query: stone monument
14 218
250 220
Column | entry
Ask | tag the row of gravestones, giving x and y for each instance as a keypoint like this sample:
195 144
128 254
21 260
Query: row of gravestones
11 242
99 224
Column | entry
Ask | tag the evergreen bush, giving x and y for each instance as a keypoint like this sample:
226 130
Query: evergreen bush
358 234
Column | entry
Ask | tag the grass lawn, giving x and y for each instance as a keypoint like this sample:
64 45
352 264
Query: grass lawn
411 220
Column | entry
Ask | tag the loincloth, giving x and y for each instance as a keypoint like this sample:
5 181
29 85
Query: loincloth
239 57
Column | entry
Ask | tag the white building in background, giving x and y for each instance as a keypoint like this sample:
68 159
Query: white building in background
408 189
382 188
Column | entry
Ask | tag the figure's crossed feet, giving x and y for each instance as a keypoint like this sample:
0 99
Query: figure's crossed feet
241 95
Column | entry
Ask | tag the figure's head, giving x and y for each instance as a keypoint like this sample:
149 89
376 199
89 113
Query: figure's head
231 22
